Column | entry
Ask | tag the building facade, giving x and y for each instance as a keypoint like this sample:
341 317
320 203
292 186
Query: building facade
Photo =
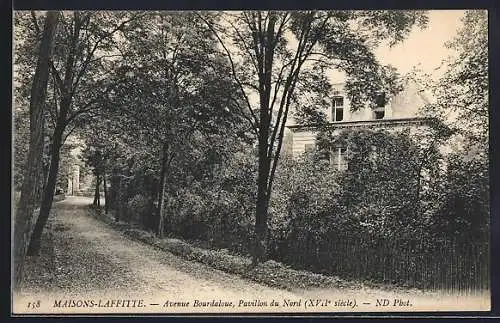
73 180
402 112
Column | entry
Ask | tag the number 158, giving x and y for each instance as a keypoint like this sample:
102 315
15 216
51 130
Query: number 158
34 304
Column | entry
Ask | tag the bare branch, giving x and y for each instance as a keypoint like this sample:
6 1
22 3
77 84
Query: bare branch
293 72
90 54
257 43
277 85
104 56
87 107
68 134
280 136
251 85
254 127
317 60
35 22
300 58
281 27
288 91
56 75
233 68
245 45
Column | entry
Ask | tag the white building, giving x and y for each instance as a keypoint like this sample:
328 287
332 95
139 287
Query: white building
401 112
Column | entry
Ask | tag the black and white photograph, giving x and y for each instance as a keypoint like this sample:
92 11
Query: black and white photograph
250 162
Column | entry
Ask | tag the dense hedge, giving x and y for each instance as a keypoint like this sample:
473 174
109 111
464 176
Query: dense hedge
405 215
400 213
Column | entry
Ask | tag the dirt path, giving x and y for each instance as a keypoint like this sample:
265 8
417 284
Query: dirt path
93 261
86 246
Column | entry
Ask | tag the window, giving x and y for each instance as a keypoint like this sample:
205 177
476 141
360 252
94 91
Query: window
338 108
381 100
380 109
379 113
338 158
308 148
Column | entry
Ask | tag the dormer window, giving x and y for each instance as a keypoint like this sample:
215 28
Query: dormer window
381 102
379 113
337 108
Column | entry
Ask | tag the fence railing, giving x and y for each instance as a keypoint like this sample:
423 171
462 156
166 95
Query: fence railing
453 264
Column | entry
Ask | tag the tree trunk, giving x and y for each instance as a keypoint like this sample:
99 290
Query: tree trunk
28 199
259 252
261 209
161 194
48 194
118 201
262 204
67 91
97 193
105 192
44 169
98 190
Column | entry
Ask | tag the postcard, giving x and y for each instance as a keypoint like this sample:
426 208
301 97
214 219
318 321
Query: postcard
244 162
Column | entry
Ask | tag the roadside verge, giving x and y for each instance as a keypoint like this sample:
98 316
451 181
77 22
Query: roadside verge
270 273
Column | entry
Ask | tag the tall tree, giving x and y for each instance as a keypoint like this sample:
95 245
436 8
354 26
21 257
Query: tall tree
100 137
172 84
272 53
463 89
84 41
28 201
462 99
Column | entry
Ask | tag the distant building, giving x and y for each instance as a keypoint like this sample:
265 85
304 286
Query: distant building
74 180
73 173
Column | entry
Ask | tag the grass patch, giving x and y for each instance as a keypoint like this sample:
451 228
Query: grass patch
39 270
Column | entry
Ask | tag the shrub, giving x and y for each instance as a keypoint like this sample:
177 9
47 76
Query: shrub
139 208
382 218
463 209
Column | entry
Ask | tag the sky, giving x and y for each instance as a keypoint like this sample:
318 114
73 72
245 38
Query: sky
424 47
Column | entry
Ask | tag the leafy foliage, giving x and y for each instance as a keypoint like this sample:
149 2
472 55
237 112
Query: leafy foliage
464 200
395 200
278 57
463 90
